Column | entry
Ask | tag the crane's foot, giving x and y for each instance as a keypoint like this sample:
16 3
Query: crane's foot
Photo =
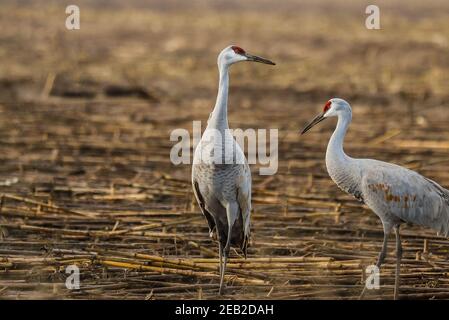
363 293
396 292
222 287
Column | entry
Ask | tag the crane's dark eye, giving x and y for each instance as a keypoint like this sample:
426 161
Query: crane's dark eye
238 50
327 106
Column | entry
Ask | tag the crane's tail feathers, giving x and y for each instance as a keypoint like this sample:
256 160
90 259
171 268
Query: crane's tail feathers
444 230
442 220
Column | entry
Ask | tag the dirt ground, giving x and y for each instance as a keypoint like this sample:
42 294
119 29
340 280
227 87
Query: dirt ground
85 123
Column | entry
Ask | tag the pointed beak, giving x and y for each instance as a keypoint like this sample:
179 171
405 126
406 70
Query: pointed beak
314 122
251 57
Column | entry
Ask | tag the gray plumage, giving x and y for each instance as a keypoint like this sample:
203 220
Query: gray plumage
394 193
223 193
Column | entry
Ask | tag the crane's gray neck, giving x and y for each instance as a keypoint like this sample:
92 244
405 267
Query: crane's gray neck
342 168
335 152
219 117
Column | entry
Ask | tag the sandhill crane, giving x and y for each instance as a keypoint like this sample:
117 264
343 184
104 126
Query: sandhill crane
221 177
394 193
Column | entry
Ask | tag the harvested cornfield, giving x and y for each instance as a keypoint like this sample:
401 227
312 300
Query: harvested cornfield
85 122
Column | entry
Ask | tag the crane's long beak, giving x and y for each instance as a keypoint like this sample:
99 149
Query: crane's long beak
314 122
251 57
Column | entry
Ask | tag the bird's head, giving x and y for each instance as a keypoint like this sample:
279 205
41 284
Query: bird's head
234 54
333 108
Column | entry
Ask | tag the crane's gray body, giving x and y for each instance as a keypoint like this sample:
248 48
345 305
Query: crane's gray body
396 194
223 191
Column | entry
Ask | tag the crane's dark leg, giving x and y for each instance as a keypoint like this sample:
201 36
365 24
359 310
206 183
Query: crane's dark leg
231 215
397 279
220 253
383 252
225 251
380 259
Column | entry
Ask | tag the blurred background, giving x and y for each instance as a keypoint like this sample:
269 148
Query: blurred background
85 121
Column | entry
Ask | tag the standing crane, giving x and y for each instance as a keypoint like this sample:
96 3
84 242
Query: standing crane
394 193
221 177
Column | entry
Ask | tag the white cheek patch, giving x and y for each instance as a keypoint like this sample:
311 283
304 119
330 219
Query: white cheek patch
330 113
